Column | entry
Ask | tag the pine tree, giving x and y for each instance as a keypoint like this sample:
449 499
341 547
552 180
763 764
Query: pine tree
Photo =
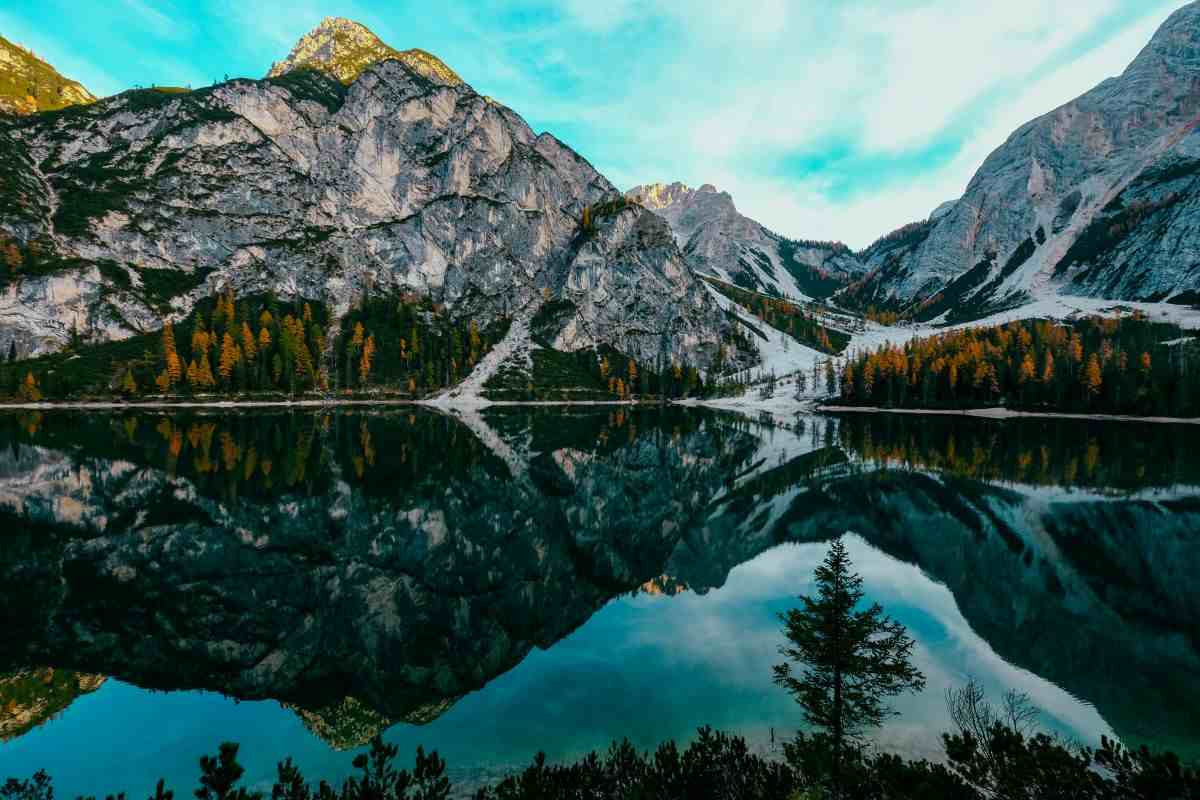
129 385
229 357
364 364
205 373
200 339
848 381
219 776
1028 369
29 391
12 351
249 343
172 364
1092 377
852 657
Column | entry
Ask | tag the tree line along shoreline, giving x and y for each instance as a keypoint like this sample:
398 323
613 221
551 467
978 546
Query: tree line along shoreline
395 346
407 347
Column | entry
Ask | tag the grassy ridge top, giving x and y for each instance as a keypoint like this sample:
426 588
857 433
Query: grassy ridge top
28 84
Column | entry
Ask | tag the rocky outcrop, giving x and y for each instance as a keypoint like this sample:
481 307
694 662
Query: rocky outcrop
28 84
718 240
403 180
344 49
1095 198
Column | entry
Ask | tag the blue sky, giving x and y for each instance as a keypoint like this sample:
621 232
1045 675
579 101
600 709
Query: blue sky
826 119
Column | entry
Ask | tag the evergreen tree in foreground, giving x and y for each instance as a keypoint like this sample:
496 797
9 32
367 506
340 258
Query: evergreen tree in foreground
852 658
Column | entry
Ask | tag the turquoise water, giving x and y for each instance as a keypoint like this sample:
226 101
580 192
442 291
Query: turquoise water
503 541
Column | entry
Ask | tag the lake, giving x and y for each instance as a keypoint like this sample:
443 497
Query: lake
494 583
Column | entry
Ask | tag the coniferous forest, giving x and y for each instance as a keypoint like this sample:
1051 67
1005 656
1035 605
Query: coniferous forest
404 347
1097 365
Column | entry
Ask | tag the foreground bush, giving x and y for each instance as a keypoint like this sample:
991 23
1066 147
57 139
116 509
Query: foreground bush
1005 764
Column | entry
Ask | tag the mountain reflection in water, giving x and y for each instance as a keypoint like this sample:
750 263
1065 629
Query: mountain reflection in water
602 572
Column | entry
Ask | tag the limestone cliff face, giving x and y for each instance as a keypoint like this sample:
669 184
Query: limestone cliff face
718 240
1096 198
405 179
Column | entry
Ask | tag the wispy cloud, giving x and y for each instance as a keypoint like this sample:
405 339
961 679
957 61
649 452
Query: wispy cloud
824 120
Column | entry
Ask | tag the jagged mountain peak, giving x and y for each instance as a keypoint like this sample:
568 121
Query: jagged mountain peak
720 241
655 196
29 84
344 48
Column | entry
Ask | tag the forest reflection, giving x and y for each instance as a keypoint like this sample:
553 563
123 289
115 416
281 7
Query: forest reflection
1113 457
268 455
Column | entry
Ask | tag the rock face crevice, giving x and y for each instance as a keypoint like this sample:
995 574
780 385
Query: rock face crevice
403 178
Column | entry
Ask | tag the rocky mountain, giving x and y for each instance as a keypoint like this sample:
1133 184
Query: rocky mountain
718 240
1099 197
28 84
344 49
334 177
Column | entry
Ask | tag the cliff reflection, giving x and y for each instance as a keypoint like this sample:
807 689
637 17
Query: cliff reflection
372 567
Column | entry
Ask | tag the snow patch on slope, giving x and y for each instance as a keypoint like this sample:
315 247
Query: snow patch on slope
515 344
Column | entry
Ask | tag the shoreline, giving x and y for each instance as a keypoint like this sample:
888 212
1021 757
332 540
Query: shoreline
475 404
1004 413
437 403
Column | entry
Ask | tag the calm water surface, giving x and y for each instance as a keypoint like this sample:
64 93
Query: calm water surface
493 584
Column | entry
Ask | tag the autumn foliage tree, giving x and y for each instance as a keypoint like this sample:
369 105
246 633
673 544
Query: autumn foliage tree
1129 366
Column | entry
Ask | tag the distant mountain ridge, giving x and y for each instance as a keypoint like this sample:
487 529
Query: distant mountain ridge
718 240
28 84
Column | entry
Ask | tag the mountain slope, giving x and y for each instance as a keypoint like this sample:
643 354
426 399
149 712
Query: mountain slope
28 84
1096 198
718 240
405 180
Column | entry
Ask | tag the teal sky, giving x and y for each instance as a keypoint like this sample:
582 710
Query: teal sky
827 119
